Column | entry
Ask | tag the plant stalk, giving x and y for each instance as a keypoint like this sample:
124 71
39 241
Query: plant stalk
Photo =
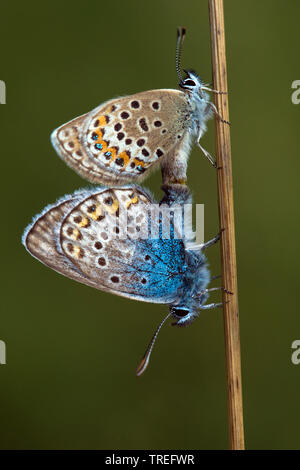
226 215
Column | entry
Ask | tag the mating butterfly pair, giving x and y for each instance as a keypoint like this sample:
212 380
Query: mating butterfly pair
81 235
123 139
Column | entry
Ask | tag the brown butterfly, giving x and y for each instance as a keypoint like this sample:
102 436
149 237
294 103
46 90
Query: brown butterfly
123 139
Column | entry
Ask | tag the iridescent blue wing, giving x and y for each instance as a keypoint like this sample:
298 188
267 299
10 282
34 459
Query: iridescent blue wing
156 270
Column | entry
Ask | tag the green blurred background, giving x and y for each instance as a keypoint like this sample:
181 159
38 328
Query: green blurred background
69 380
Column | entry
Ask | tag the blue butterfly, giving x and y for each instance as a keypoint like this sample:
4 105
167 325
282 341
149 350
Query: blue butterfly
103 237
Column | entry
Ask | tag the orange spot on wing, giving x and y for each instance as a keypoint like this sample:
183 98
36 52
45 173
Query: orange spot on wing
99 134
97 212
137 161
84 222
113 152
102 120
133 200
125 157
113 208
104 145
76 234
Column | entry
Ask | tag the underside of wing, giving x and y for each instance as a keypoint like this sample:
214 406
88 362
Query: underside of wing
130 135
101 238
124 139
67 141
41 238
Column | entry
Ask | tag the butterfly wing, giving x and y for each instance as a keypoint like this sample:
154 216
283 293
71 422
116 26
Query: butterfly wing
41 238
124 138
75 238
67 141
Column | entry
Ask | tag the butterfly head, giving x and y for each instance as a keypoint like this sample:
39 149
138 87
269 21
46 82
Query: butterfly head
183 314
192 83
188 310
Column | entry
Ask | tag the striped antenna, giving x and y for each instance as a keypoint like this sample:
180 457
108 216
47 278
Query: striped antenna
145 360
180 38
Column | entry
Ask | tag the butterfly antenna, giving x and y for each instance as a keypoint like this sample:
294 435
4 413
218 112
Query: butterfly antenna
180 39
145 360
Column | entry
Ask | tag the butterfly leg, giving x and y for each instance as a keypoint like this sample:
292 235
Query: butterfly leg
213 278
213 241
208 306
203 246
214 109
211 90
213 305
207 155
218 288
211 289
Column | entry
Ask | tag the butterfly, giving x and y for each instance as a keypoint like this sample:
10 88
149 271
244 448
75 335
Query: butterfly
125 138
113 239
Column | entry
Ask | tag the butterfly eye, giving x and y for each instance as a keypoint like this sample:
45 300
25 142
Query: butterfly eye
190 83
180 312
